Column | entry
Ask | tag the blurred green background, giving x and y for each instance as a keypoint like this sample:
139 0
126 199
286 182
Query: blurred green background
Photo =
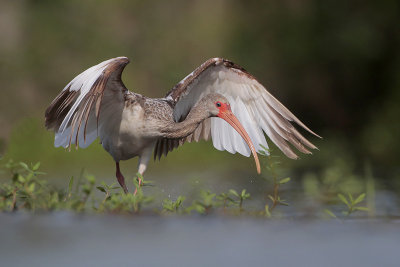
335 64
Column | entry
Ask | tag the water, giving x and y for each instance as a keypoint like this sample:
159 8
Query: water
65 239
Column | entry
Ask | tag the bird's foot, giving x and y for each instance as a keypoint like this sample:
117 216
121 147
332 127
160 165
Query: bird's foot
139 185
121 179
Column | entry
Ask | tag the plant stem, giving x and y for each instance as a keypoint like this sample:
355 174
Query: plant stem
276 194
276 185
14 201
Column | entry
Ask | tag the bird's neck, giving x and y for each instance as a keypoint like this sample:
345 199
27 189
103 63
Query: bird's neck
177 130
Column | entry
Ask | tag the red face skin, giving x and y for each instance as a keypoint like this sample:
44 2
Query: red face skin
225 113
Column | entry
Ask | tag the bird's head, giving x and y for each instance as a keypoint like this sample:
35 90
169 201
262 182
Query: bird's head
219 106
216 104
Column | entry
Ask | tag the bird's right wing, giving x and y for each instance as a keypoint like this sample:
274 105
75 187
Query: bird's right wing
256 109
88 105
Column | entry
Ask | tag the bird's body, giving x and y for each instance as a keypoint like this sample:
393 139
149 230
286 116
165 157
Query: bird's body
139 127
143 121
97 104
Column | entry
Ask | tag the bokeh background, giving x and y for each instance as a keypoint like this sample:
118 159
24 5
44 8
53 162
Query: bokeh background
335 64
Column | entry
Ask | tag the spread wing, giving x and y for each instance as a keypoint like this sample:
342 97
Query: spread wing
89 105
257 110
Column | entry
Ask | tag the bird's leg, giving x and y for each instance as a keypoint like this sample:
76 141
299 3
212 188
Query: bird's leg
120 178
139 183
143 161
141 169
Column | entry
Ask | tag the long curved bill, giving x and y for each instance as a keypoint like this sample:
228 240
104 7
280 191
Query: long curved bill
228 116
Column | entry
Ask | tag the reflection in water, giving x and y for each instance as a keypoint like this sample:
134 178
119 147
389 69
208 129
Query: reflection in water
64 239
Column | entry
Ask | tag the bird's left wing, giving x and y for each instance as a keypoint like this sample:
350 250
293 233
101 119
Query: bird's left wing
257 110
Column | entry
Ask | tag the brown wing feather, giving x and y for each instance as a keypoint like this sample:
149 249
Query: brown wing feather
59 108
181 88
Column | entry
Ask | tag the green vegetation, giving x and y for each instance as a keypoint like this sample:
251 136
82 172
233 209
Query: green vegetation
27 189
271 166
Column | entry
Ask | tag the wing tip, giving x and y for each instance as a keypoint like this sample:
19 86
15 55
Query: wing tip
231 65
123 59
320 137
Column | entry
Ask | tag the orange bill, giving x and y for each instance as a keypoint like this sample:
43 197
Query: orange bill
228 116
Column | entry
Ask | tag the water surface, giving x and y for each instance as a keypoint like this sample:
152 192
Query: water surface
65 239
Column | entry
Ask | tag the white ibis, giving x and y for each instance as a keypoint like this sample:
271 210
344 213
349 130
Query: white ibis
219 99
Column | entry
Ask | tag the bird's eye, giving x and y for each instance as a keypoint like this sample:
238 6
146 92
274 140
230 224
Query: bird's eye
218 104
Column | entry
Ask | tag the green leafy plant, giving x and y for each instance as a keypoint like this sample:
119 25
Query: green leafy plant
225 200
77 199
25 190
172 206
326 189
124 203
238 199
351 203
107 190
205 204
271 166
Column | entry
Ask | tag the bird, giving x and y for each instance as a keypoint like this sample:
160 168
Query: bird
218 100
